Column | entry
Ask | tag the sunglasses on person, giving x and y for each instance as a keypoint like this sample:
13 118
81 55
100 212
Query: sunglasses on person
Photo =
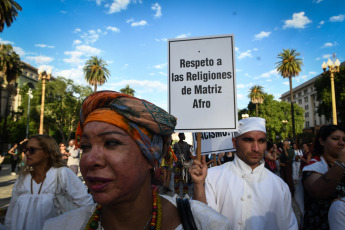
31 150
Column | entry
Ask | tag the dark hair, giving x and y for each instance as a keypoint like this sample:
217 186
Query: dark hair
269 146
324 132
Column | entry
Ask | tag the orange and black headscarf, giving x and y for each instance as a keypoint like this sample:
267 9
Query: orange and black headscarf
150 126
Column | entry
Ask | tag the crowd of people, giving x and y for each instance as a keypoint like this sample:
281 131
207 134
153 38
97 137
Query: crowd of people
123 142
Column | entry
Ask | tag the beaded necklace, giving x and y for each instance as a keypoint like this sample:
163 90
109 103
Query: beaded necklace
156 216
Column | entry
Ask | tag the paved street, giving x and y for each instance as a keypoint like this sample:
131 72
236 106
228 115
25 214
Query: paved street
7 181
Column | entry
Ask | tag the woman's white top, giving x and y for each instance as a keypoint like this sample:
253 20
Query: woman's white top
205 218
30 211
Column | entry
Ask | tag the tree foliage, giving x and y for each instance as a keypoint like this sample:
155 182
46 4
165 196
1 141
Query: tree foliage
256 95
8 12
62 105
324 96
128 90
10 70
96 72
289 66
274 112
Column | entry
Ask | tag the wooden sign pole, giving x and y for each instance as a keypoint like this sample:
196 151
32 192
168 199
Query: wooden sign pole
198 138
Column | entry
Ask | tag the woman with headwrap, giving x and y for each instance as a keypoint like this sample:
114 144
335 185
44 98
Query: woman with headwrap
123 140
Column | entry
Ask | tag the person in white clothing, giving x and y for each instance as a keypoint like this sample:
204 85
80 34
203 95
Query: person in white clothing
32 201
73 158
336 215
243 190
296 165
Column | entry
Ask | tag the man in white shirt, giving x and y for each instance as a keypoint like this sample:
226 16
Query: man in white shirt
73 158
243 190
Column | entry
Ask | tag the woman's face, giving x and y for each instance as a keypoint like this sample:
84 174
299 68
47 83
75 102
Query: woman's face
35 155
334 143
62 147
112 164
305 148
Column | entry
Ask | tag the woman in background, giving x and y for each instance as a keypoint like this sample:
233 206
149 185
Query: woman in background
34 190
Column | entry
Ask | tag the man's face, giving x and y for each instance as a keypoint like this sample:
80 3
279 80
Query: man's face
250 147
71 143
286 144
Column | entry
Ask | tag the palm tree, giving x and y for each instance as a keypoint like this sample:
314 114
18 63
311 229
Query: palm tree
127 90
96 72
256 95
290 66
10 70
8 11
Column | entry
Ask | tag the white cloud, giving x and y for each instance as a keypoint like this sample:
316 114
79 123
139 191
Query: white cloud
298 21
117 6
98 2
75 57
320 24
6 42
77 42
92 36
161 40
156 7
145 84
339 18
183 35
140 23
270 74
88 50
329 44
44 46
76 74
40 59
161 66
163 73
240 96
261 35
63 12
326 56
19 51
245 54
317 1
243 86
80 55
77 30
312 73
286 83
114 29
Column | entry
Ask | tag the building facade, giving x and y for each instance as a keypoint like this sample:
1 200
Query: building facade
29 77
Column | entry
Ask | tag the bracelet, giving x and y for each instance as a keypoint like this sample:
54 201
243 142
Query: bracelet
340 164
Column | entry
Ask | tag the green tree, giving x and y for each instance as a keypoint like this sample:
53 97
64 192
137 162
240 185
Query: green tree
96 72
10 70
324 96
63 102
8 12
128 90
256 95
289 66
275 112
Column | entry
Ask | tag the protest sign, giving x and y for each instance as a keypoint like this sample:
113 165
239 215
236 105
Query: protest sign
215 142
202 86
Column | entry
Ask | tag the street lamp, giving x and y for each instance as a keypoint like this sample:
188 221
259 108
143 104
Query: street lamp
43 75
245 115
27 122
332 68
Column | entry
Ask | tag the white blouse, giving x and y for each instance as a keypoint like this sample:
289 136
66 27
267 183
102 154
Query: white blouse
30 210
205 218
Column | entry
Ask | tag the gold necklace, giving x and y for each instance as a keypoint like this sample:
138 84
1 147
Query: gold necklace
39 191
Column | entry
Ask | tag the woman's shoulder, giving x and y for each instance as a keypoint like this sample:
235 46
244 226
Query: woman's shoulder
204 216
75 219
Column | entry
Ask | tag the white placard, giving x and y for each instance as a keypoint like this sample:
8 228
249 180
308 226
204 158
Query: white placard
215 142
202 86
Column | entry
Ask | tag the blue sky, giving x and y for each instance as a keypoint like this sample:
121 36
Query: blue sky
131 36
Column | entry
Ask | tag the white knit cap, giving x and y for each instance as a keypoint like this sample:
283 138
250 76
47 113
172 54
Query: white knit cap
251 124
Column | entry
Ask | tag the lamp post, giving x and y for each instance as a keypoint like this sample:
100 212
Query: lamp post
332 68
245 115
27 122
284 124
43 75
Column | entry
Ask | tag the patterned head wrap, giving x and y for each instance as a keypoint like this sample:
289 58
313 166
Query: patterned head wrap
150 126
